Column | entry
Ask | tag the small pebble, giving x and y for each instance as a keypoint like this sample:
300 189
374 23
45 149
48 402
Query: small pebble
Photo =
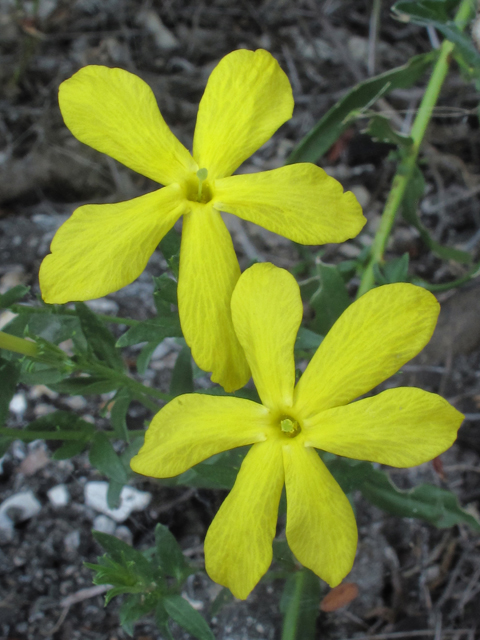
18 405
104 524
72 540
130 500
58 495
17 508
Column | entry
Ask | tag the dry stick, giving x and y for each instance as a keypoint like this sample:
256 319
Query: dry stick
408 163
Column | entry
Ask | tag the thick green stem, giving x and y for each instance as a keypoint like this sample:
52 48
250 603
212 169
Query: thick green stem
407 164
18 345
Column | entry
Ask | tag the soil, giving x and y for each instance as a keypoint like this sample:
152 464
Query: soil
414 580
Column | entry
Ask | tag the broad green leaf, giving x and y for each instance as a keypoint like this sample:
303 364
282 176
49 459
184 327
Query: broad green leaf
118 413
168 553
103 457
9 376
182 375
330 299
154 330
99 338
327 131
185 615
13 295
412 195
307 339
299 605
395 270
380 129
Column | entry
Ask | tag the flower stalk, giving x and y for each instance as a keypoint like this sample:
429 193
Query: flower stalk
408 162
18 345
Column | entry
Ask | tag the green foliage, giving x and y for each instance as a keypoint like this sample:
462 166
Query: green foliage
182 375
380 129
9 375
426 502
395 270
327 131
118 413
151 582
101 342
330 298
154 330
103 457
13 295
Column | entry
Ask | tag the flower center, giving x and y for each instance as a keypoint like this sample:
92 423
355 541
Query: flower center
198 188
289 427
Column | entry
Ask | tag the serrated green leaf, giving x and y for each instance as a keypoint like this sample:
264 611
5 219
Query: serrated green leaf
187 617
102 456
170 244
124 554
9 376
330 299
118 414
166 288
169 554
327 131
412 195
33 373
100 340
380 129
13 295
56 328
154 330
182 374
395 270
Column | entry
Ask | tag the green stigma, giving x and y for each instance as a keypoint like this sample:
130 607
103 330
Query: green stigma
202 175
289 427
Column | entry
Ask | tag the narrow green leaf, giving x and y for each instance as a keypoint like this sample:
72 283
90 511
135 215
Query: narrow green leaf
307 339
69 449
327 131
299 605
99 338
145 356
413 194
161 620
182 375
118 414
13 295
103 457
169 554
113 494
154 330
123 553
185 615
9 376
63 421
85 385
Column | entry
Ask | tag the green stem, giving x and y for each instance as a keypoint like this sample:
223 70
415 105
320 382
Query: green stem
27 435
408 162
301 608
18 345
25 308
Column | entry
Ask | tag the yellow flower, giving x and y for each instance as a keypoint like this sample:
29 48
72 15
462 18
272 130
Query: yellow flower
102 248
401 427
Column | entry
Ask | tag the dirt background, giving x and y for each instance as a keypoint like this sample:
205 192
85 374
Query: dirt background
414 580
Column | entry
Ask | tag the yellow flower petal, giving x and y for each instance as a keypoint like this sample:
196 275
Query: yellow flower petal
267 312
401 427
193 427
102 248
299 201
115 112
247 98
370 341
209 271
238 546
321 528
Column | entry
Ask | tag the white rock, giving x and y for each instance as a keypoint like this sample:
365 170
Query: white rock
104 524
130 500
163 37
58 495
25 506
123 533
72 540
18 404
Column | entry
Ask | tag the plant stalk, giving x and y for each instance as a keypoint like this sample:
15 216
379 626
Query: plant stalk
18 345
407 164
